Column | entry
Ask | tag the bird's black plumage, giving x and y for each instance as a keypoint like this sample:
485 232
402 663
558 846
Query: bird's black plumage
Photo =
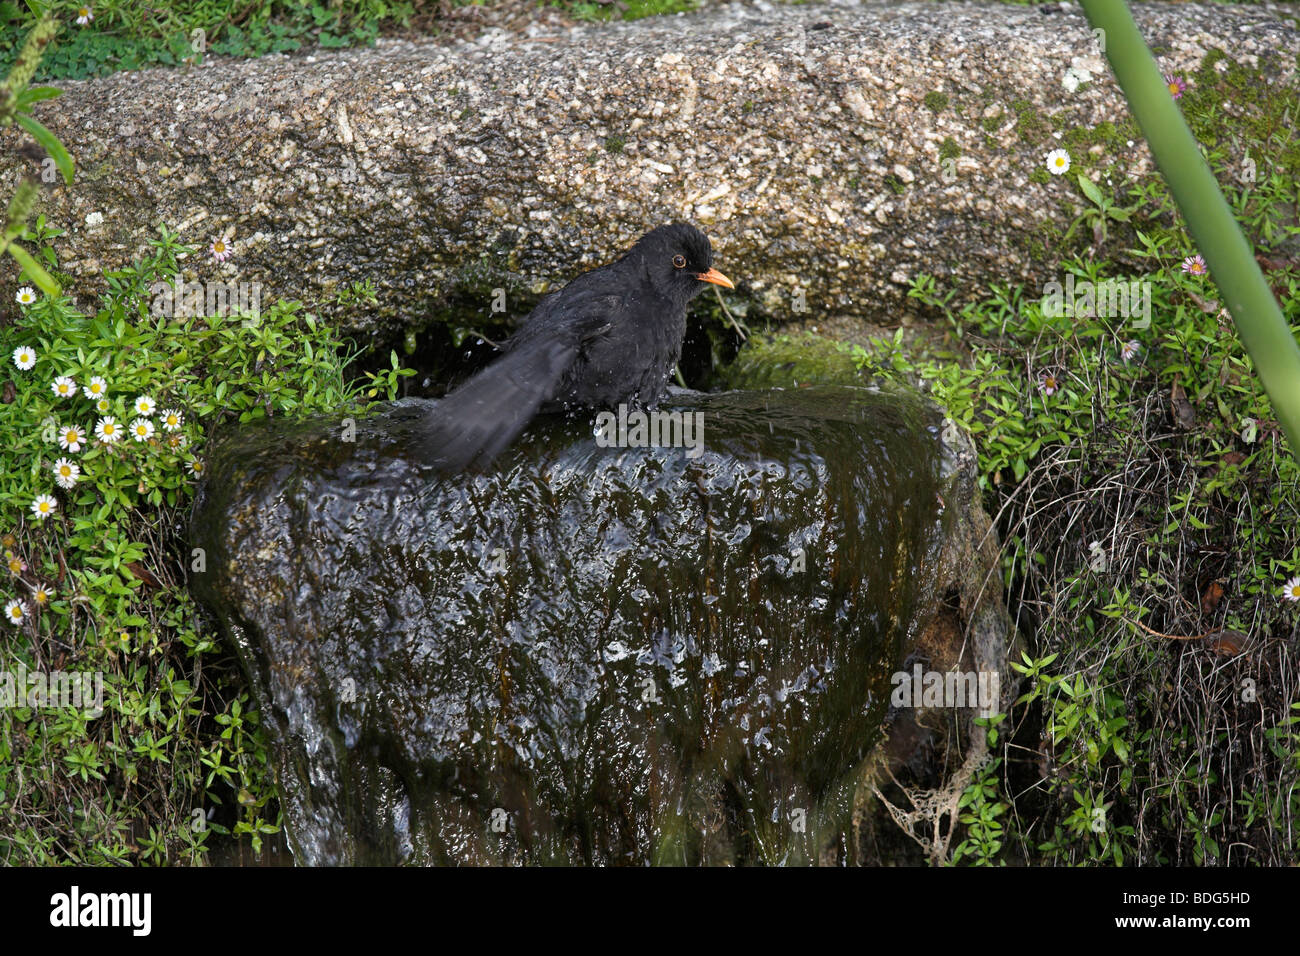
611 336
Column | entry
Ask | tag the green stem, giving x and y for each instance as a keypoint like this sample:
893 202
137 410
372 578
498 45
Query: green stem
1263 330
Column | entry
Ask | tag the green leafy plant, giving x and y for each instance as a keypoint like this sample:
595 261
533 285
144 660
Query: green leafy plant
1098 217
982 807
1146 502
99 581
1247 295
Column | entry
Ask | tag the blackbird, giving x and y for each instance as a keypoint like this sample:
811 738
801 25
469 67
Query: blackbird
611 336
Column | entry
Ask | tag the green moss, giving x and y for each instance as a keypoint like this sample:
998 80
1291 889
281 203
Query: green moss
1040 175
936 101
615 143
1030 125
949 149
895 184
992 123
1265 124
1080 139
792 360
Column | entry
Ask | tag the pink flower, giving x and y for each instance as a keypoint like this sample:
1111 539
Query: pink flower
1048 384
1177 86
1194 265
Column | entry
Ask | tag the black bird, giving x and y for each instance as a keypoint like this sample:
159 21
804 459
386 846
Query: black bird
611 336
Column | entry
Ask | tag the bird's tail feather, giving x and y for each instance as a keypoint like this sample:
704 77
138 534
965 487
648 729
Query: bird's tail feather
477 421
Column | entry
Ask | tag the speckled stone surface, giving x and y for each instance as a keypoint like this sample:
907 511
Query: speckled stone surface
800 138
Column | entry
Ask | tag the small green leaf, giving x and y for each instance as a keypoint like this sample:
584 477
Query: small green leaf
1090 189
35 94
32 269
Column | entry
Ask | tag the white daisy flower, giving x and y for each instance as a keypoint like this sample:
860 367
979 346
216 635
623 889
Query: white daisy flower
1131 350
44 506
84 16
25 295
195 467
1058 162
24 357
71 438
142 429
15 612
144 406
1291 590
66 472
96 388
172 419
41 596
64 387
101 406
108 430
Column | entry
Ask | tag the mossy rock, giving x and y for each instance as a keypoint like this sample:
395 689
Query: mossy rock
793 361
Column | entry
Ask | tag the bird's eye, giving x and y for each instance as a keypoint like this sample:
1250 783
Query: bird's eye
679 261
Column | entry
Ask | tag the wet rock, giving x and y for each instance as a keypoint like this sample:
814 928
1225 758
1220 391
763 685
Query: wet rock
832 151
593 654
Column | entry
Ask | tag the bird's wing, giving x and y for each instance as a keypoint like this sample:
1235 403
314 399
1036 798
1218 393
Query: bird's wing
477 421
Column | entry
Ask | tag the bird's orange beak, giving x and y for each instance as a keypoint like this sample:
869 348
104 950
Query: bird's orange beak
716 277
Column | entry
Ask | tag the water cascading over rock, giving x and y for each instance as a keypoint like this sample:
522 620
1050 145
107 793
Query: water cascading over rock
593 654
